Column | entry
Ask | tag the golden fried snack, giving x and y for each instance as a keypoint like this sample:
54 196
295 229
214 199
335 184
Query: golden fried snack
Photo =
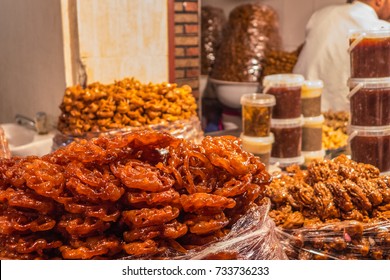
204 202
202 224
125 103
93 184
26 199
149 217
170 230
12 221
143 194
147 247
138 175
81 226
33 246
91 247
168 197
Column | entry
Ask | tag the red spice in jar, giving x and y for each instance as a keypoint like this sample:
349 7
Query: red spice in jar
288 102
371 107
374 150
370 58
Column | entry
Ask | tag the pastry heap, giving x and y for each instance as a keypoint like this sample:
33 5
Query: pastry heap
139 194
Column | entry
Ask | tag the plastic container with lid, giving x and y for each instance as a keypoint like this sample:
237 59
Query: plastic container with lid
285 162
312 156
259 146
257 114
287 90
311 98
370 101
370 53
288 137
312 133
370 145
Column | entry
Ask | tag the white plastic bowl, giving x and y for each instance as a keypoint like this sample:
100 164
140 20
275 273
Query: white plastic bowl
26 142
229 93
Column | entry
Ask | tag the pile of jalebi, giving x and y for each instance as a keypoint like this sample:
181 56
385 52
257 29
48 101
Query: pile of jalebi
137 194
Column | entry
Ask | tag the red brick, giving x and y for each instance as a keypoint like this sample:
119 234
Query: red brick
179 29
191 28
193 83
186 62
179 52
194 51
179 7
190 6
179 74
192 72
186 41
186 18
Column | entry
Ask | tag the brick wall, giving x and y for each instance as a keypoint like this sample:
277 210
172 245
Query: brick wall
186 43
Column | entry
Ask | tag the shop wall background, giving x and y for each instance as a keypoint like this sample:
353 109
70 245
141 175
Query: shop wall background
293 15
32 74
46 45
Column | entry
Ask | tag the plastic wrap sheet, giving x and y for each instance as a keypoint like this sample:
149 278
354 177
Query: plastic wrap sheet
252 237
189 129
213 21
251 30
338 241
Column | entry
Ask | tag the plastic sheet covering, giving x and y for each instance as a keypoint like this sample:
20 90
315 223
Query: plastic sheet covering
4 149
213 21
189 129
251 30
252 237
345 240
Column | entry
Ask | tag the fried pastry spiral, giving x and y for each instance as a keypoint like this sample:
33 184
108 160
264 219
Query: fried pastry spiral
142 193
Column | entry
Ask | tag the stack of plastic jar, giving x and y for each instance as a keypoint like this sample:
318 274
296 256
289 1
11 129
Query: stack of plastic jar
256 133
369 130
287 120
313 121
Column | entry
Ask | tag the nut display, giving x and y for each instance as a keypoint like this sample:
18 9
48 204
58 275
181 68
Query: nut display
130 194
124 103
333 208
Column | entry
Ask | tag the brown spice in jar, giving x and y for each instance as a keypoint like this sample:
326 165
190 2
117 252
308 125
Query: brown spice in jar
371 107
311 107
311 138
370 58
287 142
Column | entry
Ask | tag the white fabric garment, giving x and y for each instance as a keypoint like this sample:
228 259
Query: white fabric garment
325 53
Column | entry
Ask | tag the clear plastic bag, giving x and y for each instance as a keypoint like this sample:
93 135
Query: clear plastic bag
189 129
251 30
252 237
338 241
